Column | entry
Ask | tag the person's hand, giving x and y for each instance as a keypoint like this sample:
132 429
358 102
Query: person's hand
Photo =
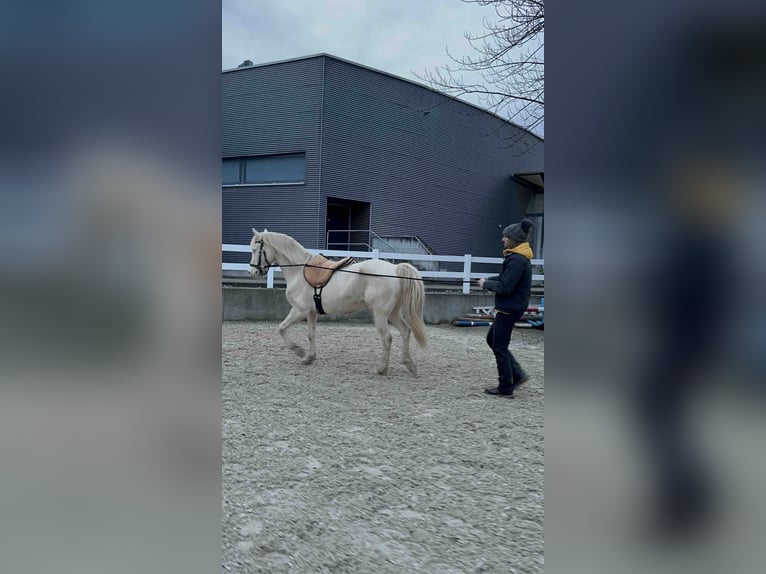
481 283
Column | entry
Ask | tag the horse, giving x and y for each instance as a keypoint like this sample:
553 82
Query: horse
393 293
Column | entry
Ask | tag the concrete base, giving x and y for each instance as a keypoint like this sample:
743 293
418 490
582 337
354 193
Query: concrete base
260 304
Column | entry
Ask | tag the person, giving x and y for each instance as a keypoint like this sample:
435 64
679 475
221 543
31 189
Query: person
688 290
512 289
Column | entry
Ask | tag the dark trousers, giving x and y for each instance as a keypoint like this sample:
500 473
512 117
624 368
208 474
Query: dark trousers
684 489
498 339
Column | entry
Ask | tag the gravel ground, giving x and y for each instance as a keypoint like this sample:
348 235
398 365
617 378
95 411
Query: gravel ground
331 468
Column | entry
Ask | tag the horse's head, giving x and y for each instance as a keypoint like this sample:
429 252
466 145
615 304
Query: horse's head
263 255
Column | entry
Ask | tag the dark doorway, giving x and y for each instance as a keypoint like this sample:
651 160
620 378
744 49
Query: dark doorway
537 235
348 225
338 226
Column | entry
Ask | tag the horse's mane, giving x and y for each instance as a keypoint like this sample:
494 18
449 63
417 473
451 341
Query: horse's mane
285 244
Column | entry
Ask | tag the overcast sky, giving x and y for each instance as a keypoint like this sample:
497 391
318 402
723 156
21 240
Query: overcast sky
395 36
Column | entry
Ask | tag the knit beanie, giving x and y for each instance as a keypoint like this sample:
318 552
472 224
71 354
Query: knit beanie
518 232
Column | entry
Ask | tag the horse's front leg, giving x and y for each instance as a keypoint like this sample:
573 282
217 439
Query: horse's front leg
293 317
312 328
381 324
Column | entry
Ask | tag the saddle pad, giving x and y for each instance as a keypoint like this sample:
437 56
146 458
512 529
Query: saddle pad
319 269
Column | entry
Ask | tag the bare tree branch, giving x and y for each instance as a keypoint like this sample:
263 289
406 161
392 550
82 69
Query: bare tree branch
508 63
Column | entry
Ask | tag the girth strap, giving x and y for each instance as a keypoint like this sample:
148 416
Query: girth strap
318 300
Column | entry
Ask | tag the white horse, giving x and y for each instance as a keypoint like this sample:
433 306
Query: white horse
394 293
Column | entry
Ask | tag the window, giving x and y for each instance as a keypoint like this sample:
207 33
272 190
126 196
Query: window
264 169
231 169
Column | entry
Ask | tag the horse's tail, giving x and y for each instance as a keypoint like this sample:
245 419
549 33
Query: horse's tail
413 299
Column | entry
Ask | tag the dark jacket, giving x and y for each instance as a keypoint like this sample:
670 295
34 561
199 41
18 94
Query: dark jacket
513 286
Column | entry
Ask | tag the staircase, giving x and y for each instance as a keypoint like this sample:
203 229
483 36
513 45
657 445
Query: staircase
406 244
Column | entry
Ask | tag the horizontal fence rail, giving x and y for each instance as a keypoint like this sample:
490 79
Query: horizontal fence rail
466 275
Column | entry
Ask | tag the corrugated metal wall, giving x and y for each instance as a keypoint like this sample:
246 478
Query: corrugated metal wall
273 109
428 165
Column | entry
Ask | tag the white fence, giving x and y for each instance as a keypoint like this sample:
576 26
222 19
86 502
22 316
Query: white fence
466 275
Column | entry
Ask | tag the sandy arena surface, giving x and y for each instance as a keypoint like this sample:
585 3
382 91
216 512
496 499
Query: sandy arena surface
332 468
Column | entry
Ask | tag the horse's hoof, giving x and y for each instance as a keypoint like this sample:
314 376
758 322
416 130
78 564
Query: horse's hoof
308 360
300 351
383 371
412 369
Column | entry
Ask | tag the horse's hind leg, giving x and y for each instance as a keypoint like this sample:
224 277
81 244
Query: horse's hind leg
397 321
381 324
312 324
293 317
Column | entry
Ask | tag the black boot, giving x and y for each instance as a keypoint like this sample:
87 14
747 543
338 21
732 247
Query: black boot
504 389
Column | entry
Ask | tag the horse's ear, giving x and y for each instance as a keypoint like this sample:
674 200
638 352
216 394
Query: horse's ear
255 232
265 230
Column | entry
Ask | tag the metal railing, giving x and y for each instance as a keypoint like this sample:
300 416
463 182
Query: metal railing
370 236
426 249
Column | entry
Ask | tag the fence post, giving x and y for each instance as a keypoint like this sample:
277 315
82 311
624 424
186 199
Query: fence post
270 278
467 274
376 253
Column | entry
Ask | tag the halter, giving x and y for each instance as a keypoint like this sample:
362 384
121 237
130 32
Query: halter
261 254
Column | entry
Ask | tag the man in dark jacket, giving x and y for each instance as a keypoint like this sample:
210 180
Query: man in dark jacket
512 289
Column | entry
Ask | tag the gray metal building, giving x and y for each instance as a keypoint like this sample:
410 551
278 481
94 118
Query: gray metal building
318 146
